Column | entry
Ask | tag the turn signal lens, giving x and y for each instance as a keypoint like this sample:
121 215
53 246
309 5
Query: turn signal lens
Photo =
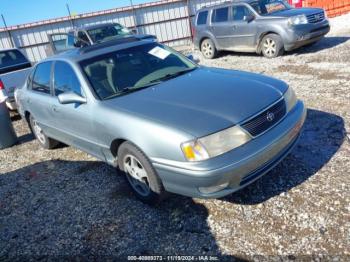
194 151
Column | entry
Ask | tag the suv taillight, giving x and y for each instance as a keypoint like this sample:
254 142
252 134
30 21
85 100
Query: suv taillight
193 32
2 86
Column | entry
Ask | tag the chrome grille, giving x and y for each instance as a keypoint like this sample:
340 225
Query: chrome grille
266 119
315 18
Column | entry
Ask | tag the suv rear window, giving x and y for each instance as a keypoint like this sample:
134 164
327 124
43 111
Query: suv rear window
220 15
12 60
202 18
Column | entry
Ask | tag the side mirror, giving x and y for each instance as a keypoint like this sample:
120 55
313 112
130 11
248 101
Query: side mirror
134 31
71 98
248 18
194 60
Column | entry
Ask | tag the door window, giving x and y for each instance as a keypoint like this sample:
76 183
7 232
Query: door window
65 79
220 15
41 79
239 12
202 18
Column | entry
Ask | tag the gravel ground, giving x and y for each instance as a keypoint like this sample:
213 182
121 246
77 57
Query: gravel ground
63 203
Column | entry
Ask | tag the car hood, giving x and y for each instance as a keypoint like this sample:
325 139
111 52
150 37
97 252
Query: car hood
204 101
297 11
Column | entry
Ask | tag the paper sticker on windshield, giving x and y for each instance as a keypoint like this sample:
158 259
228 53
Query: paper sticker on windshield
159 52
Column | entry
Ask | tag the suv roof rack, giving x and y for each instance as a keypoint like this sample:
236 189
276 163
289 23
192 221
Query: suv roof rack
223 3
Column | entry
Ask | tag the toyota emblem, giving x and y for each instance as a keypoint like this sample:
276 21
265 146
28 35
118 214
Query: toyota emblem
270 116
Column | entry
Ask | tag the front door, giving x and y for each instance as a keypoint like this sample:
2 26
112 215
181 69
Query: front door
243 30
73 121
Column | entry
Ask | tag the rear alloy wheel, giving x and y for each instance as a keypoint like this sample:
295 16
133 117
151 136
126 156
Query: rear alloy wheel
208 49
140 174
272 46
44 141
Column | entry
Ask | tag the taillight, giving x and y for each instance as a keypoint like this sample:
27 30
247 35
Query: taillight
2 86
193 31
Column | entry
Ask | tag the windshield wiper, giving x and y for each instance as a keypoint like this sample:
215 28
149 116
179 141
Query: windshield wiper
131 89
173 75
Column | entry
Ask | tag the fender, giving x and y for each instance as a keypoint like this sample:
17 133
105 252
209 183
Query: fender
264 30
211 37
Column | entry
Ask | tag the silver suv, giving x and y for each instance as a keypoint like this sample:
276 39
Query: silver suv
269 27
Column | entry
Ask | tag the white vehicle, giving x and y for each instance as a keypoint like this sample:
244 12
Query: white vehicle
14 69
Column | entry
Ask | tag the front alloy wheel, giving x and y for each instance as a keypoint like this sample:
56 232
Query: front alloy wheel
272 46
140 173
136 175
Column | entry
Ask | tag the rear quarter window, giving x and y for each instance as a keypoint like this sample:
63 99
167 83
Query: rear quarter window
202 18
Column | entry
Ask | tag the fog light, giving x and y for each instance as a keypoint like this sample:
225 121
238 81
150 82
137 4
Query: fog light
212 189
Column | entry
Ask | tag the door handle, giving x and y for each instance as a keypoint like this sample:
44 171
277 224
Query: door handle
54 108
29 101
234 27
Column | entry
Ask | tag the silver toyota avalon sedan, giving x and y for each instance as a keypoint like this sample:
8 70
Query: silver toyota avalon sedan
167 123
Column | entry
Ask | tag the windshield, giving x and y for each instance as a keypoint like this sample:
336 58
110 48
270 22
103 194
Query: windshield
107 32
266 7
134 68
11 58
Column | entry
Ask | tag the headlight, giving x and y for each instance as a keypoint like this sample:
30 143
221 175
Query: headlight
290 98
215 144
297 20
325 15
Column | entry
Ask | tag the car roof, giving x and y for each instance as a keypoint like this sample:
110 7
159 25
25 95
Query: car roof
78 54
9 49
209 7
91 27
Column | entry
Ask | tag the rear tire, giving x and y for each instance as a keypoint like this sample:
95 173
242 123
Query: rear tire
272 46
208 49
141 175
45 141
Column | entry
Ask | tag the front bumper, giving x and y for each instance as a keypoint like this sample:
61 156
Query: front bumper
305 34
238 168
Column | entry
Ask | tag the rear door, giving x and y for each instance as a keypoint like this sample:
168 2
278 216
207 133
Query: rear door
220 26
40 97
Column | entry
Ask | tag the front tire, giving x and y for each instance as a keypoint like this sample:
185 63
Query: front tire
45 141
142 177
208 49
272 46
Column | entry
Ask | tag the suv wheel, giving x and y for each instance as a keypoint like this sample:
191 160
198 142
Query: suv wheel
272 46
141 175
208 49
44 141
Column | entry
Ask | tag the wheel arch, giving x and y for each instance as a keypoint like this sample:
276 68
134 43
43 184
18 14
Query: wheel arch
261 36
208 37
27 117
116 143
